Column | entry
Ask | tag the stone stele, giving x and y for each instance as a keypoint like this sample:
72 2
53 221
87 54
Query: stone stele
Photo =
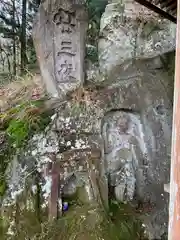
59 39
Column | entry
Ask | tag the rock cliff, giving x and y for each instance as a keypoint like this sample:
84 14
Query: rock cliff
112 136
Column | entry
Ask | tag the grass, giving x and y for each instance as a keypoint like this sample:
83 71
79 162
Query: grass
80 222
20 90
18 125
21 115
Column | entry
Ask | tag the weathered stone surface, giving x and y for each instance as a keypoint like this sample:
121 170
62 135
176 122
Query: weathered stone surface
122 131
3 143
128 34
71 148
125 151
59 37
137 61
117 134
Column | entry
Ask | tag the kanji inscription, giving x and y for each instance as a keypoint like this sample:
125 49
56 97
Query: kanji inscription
61 29
63 16
66 19
65 72
66 48
65 64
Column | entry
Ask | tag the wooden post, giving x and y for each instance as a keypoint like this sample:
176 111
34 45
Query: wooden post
55 190
174 206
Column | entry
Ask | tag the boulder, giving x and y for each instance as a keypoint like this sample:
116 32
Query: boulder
129 31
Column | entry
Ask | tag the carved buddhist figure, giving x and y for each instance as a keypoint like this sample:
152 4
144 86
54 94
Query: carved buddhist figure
124 149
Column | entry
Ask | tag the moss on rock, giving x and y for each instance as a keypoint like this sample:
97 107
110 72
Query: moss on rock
18 125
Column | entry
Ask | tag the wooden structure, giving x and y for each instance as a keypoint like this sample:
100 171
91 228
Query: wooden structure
174 207
165 8
170 9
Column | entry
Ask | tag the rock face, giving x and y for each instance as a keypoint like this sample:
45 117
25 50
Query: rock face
59 37
134 51
142 33
117 133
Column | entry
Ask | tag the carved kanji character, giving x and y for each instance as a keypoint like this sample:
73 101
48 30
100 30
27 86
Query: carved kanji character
66 48
65 70
66 29
64 17
66 45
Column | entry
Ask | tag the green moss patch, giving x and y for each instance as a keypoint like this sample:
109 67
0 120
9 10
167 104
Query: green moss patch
18 125
80 222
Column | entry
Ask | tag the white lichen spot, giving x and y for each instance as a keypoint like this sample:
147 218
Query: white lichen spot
88 190
53 117
48 145
93 167
37 137
68 143
72 163
59 156
34 189
65 172
46 189
55 95
61 119
78 144
60 204
45 159
39 169
15 194
10 229
67 120
29 204
34 152
52 149
73 130
80 168
83 217
66 165
45 204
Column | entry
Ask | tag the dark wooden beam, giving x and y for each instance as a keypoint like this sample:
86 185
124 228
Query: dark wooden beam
167 3
157 10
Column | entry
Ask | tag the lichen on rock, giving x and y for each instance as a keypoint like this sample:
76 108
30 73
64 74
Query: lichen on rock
108 139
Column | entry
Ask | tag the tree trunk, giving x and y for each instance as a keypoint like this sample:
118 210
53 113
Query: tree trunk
23 37
14 39
2 60
8 60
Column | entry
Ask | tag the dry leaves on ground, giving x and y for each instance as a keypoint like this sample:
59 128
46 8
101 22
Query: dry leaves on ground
30 87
